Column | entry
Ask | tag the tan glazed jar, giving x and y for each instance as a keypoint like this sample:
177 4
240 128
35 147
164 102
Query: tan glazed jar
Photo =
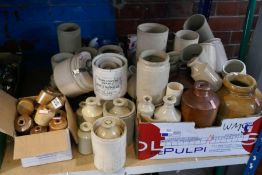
237 96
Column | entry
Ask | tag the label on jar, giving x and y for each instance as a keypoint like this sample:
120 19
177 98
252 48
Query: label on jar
56 103
43 111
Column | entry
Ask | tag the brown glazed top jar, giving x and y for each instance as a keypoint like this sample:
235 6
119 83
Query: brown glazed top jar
200 104
23 124
38 129
238 97
58 122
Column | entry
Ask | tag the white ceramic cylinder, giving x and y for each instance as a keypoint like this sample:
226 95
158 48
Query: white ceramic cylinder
128 118
84 138
69 37
109 154
153 70
175 89
234 65
199 24
91 50
184 38
72 76
111 49
221 57
208 55
151 36
109 76
59 57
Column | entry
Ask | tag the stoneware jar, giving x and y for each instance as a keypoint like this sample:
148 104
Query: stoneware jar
92 110
57 103
43 115
111 49
131 83
233 65
69 37
84 138
79 114
238 97
146 107
25 106
38 129
73 76
174 59
168 112
221 56
46 95
57 123
175 89
109 144
199 24
200 105
91 50
151 36
59 57
23 124
124 109
184 38
109 76
202 71
153 70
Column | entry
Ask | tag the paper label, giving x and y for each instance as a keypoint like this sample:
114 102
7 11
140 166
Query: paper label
56 103
43 111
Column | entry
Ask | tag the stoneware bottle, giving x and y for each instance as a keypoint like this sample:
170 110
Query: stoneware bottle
124 109
25 106
109 144
111 49
23 124
38 129
146 107
238 97
153 70
92 110
233 65
200 105
84 138
80 118
168 112
184 38
202 71
131 83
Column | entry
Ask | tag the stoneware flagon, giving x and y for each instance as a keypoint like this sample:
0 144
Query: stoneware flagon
146 107
92 110
233 65
152 64
184 38
59 57
84 138
111 49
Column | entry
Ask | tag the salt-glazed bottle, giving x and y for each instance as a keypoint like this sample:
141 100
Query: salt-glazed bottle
120 107
109 130
79 114
202 71
168 112
239 97
92 110
146 108
200 104
84 138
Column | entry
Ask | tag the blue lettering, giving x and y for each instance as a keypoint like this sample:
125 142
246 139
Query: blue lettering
168 150
188 151
180 152
198 149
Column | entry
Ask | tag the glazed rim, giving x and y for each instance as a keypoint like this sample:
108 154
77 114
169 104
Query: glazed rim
112 48
187 35
131 105
119 102
68 27
195 22
169 99
202 85
242 78
147 98
234 65
163 56
176 86
110 58
191 51
91 101
86 126
152 28
118 122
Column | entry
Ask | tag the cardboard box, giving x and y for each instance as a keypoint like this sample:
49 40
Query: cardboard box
179 140
41 148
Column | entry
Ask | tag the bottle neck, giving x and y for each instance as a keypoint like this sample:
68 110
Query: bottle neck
201 93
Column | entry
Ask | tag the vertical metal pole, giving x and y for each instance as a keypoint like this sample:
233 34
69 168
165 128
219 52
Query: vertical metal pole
246 29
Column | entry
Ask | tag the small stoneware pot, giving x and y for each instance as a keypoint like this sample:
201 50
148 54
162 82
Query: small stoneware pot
175 89
69 37
151 36
59 57
38 129
109 144
233 65
84 138
92 110
23 124
146 107
109 76
25 106
43 115
185 38
111 49
199 24
91 50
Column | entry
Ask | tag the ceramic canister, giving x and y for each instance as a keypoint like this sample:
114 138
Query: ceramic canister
43 115
73 76
124 109
185 38
23 124
175 89
233 65
151 36
59 57
199 24
38 129
153 70
84 138
69 37
111 49
109 144
109 76
25 106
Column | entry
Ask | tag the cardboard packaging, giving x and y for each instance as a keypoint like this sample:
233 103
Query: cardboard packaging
179 140
40 148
